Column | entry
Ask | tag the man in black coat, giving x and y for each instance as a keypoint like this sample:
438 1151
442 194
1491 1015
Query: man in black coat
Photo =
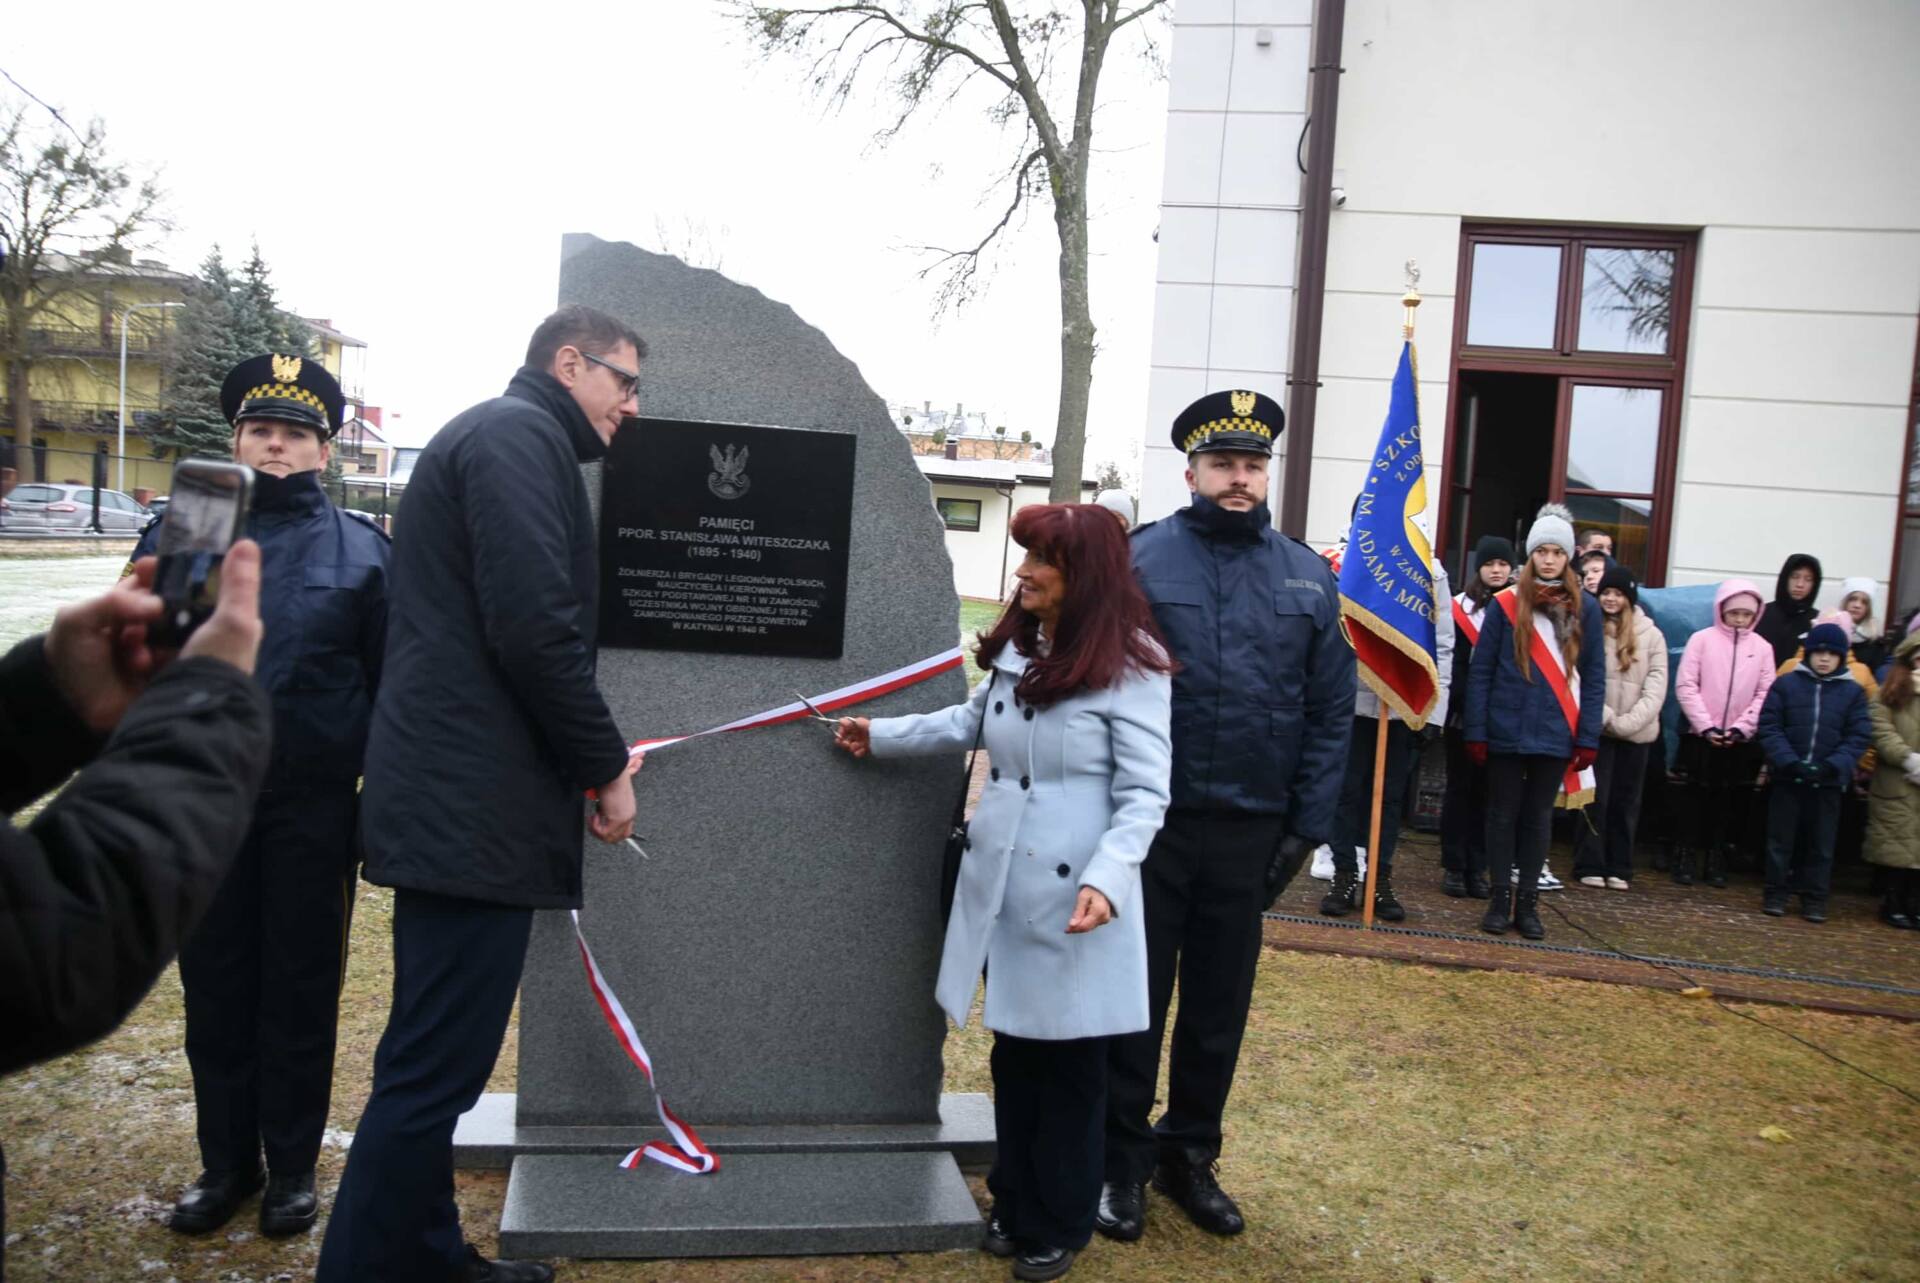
261 975
97 891
488 731
1262 711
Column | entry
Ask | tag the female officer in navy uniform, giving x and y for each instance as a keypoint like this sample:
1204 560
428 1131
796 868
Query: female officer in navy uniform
263 969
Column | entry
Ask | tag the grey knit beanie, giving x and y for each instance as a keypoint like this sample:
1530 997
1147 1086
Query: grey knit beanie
1554 525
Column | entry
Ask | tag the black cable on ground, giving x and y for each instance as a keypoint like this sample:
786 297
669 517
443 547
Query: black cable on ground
1722 968
1693 982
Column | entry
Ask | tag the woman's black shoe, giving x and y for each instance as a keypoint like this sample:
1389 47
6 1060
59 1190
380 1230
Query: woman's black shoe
1039 1263
211 1201
1454 883
1495 922
289 1206
996 1241
1122 1214
1386 905
1526 915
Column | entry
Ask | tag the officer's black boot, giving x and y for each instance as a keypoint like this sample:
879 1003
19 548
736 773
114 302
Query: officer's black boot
1122 1214
1496 921
1717 861
289 1206
211 1201
1339 900
1477 888
1186 1176
1526 913
481 1270
1453 882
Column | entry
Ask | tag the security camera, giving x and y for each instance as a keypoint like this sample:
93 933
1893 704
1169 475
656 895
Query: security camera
1339 197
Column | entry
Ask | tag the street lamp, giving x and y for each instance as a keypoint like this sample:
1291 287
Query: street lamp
120 458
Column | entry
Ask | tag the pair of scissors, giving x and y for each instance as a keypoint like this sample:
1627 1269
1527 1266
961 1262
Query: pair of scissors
818 716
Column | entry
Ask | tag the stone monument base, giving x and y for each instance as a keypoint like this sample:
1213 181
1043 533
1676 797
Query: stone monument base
488 1139
561 1205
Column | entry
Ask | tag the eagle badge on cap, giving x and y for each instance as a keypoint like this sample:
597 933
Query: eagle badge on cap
1242 403
286 369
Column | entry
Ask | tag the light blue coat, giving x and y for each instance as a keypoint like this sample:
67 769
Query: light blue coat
1078 793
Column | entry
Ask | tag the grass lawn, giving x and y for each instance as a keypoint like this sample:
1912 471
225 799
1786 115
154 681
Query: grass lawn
1391 1122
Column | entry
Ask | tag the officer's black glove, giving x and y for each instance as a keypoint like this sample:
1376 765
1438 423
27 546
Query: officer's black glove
1825 775
1291 852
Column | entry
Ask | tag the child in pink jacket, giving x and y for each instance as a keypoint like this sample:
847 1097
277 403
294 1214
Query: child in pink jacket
1724 677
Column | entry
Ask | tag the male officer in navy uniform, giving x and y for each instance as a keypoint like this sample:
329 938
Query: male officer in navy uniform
262 971
1262 710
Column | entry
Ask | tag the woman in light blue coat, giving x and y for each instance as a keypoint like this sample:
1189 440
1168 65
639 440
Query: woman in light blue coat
1075 721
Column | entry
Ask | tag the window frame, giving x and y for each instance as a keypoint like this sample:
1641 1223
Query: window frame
979 514
1904 511
1570 364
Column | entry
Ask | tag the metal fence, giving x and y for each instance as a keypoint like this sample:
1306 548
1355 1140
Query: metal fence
118 489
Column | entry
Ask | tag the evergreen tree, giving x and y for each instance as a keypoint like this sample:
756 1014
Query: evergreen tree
205 347
227 318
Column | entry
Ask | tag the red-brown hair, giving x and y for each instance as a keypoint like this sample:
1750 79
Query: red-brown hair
1106 626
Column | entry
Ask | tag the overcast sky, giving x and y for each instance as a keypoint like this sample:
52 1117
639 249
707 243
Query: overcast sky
408 172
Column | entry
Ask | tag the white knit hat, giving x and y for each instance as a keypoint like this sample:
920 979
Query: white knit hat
1554 525
1860 584
1119 503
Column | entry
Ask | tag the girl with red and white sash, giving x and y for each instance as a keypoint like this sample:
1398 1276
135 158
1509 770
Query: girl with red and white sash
1536 693
1463 812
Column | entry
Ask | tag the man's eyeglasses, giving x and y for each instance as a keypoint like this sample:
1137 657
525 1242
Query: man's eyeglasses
629 381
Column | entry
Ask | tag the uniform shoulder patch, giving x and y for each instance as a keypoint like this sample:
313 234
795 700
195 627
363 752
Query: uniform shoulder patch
368 521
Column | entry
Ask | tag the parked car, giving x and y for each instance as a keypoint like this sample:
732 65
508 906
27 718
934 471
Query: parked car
54 506
158 504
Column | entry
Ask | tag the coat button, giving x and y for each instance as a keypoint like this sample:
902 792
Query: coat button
1029 715
1063 870
1026 781
999 705
994 772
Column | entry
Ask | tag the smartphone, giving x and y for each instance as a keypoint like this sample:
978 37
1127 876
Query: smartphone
207 512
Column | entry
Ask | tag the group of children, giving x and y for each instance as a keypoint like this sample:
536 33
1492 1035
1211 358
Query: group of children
1559 679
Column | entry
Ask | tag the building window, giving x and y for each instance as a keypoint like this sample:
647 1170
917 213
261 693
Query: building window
959 514
1569 346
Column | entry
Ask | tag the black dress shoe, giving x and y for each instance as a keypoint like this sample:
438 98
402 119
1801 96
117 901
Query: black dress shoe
1454 883
1122 1214
288 1207
1188 1179
481 1270
996 1241
1813 910
211 1201
1038 1263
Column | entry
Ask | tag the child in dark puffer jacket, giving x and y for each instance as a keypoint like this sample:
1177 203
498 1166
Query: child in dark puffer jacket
1814 727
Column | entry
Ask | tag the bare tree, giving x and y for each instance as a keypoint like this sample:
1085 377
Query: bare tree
930 51
67 212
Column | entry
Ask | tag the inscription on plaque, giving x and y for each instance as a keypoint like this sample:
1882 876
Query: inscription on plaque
726 537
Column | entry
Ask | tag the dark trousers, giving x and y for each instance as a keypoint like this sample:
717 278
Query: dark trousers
1722 780
1203 887
1355 814
1463 811
261 975
456 968
1520 792
1049 1121
1603 839
1802 823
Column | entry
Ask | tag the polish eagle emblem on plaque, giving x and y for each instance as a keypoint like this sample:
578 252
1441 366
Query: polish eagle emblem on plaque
729 479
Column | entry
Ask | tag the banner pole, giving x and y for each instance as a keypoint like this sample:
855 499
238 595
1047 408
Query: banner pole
1373 824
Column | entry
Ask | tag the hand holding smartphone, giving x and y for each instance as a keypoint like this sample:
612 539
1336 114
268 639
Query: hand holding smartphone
207 513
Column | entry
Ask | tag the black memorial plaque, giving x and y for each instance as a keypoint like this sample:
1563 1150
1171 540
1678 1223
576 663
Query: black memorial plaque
726 537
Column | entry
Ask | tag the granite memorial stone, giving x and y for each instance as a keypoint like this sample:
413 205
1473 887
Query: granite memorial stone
778 949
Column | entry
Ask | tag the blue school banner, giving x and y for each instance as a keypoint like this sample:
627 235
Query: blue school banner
1386 578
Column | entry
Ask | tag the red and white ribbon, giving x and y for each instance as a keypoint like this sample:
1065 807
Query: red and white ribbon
686 1153
871 688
